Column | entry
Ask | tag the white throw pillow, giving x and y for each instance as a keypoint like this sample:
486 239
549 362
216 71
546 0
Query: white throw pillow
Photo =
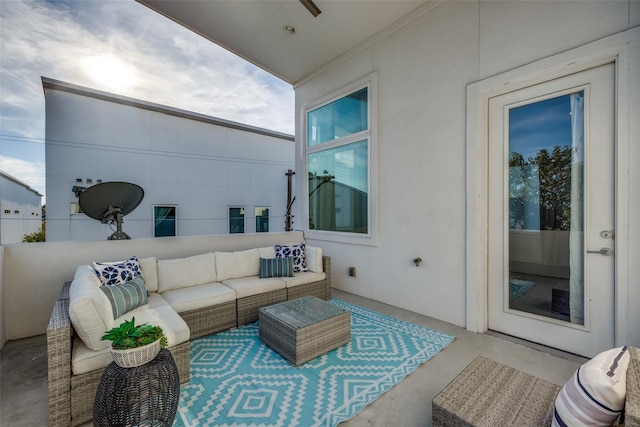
90 310
595 394
314 258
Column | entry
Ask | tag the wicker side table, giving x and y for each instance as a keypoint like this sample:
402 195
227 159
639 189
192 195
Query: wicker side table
143 396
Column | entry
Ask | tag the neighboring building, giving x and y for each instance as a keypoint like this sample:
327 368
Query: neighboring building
427 112
20 209
200 175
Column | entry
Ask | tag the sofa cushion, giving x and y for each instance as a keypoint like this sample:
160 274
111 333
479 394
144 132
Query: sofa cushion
248 286
200 296
303 278
296 251
595 394
233 265
267 252
276 267
185 272
89 309
313 258
149 267
113 273
126 296
85 360
159 313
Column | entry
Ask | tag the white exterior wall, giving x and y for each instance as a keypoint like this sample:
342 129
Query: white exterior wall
24 208
180 160
423 70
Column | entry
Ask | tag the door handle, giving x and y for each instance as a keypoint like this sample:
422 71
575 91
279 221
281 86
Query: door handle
602 251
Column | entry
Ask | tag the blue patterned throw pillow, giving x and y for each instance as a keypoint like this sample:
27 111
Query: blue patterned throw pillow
126 296
296 252
276 267
114 273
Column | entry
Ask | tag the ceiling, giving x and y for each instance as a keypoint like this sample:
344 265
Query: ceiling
253 29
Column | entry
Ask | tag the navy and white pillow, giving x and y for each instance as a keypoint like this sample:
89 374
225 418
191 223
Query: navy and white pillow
114 273
296 251
595 394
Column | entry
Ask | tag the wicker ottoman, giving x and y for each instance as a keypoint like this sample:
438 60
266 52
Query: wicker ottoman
302 329
488 393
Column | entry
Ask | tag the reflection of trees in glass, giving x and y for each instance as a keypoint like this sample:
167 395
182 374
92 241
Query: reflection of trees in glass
551 192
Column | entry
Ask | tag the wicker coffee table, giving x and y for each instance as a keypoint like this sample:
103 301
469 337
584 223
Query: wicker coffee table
302 329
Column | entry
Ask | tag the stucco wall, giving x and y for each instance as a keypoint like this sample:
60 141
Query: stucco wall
423 70
34 272
178 159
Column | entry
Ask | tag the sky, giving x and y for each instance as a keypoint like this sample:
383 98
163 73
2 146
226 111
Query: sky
121 47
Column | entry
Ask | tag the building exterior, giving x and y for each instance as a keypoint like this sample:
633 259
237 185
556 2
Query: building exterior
20 209
418 120
200 175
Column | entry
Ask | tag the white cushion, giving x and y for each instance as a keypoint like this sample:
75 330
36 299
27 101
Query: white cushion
184 272
248 286
89 309
303 278
149 269
85 360
267 252
313 255
595 394
233 265
195 297
173 326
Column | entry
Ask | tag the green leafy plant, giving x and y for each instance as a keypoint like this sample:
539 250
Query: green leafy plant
128 335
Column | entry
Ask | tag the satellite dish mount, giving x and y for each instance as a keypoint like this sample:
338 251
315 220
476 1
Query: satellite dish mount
109 202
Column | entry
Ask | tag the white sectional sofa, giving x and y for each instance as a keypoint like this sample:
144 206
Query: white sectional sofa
188 297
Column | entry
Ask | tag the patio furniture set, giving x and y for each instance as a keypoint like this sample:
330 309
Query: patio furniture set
188 297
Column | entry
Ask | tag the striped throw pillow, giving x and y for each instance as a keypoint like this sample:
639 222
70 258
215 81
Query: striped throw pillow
276 267
126 296
595 394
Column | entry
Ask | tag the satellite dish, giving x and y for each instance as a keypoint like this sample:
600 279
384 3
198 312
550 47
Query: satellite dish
109 202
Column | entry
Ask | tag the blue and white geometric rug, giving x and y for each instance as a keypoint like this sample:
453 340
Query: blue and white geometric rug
236 380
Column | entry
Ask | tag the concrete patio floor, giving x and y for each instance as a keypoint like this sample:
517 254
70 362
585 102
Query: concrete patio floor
23 372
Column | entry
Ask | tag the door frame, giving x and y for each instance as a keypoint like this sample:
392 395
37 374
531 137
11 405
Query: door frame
610 49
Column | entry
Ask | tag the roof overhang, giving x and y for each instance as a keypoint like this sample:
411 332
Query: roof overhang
256 29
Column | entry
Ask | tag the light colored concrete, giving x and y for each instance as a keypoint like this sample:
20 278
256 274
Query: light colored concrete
23 372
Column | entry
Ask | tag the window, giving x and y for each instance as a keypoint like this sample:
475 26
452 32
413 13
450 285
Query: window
339 158
262 220
164 221
236 220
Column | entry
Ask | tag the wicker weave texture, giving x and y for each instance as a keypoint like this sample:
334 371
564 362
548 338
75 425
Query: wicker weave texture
632 404
316 289
487 393
248 306
146 395
209 320
301 344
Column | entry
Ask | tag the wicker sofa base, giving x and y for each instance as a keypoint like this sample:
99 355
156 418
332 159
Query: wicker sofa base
248 307
209 320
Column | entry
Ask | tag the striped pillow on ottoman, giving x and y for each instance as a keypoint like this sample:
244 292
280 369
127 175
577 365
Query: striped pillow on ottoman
595 394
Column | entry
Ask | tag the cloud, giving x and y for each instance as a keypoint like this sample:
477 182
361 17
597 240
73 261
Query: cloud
29 173
162 63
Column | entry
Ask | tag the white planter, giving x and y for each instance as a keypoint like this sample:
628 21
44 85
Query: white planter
132 357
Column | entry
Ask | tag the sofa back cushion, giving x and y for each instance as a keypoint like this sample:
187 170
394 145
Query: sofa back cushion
149 267
185 272
314 258
89 308
233 265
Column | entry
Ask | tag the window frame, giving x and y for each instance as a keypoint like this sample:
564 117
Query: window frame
244 218
370 135
175 220
256 217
